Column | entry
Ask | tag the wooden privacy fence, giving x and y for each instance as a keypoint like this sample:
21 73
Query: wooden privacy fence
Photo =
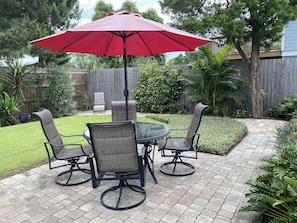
112 83
278 79
79 84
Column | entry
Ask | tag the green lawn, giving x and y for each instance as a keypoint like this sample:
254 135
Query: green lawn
22 145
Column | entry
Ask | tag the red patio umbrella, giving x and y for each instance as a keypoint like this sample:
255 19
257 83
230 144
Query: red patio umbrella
124 34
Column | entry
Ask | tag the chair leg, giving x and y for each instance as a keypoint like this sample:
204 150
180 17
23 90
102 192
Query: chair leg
64 178
106 201
177 167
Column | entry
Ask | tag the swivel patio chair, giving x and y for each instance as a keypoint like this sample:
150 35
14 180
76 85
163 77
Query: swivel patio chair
179 147
99 102
117 158
118 110
71 153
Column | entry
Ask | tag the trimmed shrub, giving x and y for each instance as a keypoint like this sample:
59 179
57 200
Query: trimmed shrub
158 90
59 97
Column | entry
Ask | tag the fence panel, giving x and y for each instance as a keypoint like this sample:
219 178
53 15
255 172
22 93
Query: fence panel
278 79
112 83
79 84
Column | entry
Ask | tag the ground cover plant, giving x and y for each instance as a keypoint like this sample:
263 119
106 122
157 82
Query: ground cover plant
218 135
22 145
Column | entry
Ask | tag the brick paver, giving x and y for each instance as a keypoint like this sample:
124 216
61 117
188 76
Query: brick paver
213 194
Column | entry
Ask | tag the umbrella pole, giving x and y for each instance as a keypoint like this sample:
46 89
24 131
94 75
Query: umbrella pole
126 91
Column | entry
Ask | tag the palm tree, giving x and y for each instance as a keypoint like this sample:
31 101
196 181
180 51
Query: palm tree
214 82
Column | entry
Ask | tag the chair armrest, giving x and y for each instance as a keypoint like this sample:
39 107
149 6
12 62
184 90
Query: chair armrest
142 151
90 156
68 145
182 137
75 135
183 129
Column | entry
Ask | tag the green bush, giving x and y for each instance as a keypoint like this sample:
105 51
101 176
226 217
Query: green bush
285 110
158 90
39 101
8 110
60 92
273 194
85 101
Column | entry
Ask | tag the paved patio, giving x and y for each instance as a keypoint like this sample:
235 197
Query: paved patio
213 194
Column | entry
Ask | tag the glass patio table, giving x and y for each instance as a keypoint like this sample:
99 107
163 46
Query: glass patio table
146 133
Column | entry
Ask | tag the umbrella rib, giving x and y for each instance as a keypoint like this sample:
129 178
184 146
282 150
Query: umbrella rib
164 34
110 40
123 34
139 34
65 47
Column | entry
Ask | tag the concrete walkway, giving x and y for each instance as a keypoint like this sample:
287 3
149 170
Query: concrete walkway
213 194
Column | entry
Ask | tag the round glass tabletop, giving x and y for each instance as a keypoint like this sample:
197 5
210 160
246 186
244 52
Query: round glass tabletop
145 132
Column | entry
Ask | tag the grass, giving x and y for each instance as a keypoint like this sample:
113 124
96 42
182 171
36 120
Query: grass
22 145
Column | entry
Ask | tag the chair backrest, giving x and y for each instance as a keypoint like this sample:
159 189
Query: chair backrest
114 146
196 120
49 129
118 110
99 98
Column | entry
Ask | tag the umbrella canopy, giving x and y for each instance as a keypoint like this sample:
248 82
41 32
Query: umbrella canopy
124 34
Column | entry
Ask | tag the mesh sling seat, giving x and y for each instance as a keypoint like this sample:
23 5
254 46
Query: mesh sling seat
71 153
179 147
117 158
118 110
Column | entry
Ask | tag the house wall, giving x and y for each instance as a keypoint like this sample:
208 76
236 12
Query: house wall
289 41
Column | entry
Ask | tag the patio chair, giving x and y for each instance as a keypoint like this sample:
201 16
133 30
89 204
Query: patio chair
117 158
71 153
118 110
99 102
179 147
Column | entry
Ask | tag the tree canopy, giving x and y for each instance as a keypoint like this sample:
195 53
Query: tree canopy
237 22
22 21
101 10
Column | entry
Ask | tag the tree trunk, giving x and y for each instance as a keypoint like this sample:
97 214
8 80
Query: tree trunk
255 81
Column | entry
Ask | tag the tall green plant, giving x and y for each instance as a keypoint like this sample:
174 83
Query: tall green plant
60 92
158 90
39 101
17 79
214 82
8 110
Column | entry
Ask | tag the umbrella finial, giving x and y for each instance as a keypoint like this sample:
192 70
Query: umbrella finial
124 13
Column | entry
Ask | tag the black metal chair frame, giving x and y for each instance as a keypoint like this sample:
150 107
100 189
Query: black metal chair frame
178 157
177 154
77 150
72 161
122 177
